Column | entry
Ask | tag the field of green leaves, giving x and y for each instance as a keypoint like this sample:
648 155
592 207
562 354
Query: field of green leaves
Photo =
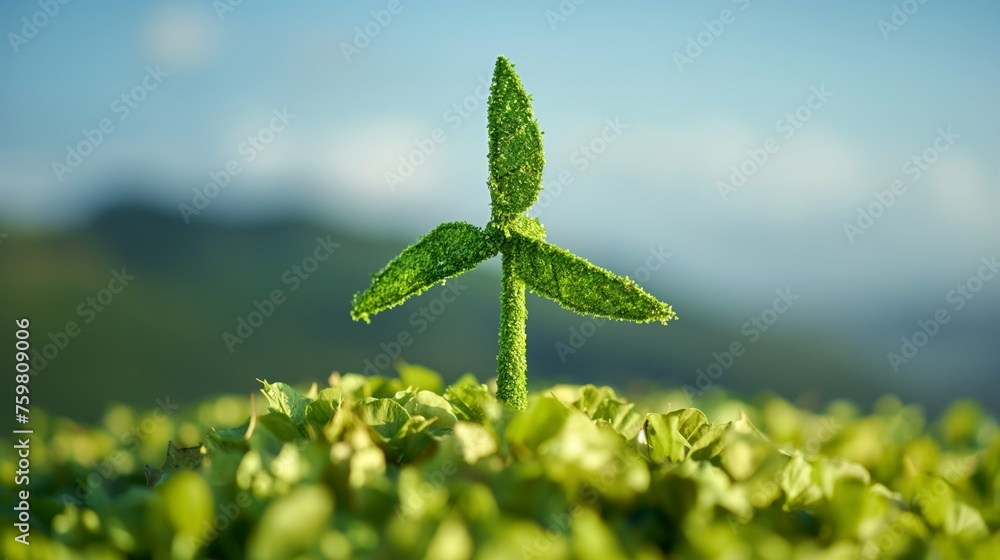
372 467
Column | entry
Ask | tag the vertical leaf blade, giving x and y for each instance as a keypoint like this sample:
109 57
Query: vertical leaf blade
515 154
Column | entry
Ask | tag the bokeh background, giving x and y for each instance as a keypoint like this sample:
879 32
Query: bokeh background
118 114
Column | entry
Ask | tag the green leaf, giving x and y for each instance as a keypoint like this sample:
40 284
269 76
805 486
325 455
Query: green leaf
580 286
320 411
412 439
743 453
960 422
419 376
601 403
447 251
515 155
941 507
281 426
540 421
286 400
291 526
385 417
593 539
832 471
474 441
354 386
531 228
691 422
681 434
451 541
432 405
402 397
419 500
963 520
227 439
384 387
591 397
178 458
707 442
663 441
621 416
472 402
188 504
797 482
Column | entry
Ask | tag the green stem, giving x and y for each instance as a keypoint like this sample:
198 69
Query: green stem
512 363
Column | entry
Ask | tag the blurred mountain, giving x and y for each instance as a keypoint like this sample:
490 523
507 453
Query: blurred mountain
208 307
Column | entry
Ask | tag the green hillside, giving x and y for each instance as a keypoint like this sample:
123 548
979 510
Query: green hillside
165 333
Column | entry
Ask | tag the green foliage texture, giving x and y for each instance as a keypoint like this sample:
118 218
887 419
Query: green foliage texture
447 251
375 467
516 160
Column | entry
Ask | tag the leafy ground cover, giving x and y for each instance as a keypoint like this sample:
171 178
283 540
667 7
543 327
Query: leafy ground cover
376 467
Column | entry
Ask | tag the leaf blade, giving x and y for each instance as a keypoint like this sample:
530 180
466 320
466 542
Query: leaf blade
580 286
515 155
286 400
447 251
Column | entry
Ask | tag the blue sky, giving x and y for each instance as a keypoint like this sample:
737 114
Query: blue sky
681 130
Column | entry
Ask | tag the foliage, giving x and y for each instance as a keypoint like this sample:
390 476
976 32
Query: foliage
373 467
447 251
516 160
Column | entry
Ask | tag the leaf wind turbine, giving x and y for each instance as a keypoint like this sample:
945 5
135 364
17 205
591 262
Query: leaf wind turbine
515 162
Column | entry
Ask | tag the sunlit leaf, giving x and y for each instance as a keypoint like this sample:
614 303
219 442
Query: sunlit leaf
292 525
178 458
515 154
797 483
383 477
447 251
472 402
189 508
432 405
320 411
286 400
580 286
540 421
385 417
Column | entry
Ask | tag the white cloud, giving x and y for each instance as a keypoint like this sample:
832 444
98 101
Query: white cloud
811 174
703 153
360 158
815 172
181 35
961 193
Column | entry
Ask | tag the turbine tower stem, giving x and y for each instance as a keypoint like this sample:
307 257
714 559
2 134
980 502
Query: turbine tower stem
512 363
